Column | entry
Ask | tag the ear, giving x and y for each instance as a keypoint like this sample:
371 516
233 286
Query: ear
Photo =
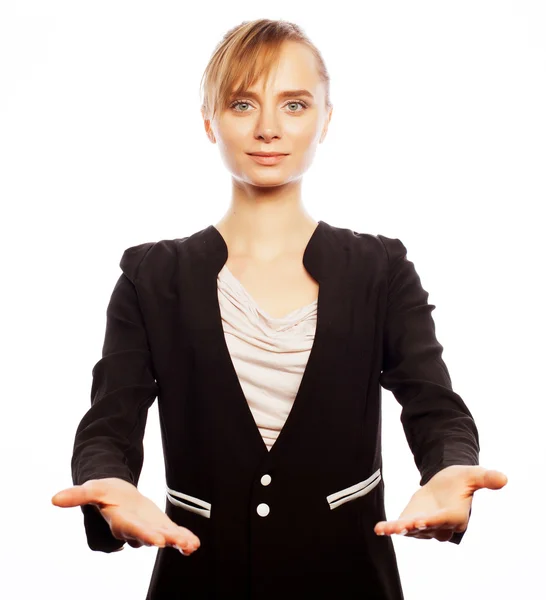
325 128
208 127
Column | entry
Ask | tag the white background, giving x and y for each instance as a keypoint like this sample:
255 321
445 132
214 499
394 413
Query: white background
438 137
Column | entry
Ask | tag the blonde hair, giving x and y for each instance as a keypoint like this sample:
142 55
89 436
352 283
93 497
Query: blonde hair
247 52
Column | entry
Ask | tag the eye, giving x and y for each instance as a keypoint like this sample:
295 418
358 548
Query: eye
300 102
239 103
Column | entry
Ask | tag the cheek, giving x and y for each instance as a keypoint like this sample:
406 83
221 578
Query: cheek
230 149
303 135
235 132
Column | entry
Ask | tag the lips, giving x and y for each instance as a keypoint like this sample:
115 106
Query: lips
267 159
267 154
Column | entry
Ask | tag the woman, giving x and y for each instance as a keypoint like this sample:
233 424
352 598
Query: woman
267 338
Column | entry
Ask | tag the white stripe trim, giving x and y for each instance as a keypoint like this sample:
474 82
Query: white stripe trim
204 511
193 499
354 491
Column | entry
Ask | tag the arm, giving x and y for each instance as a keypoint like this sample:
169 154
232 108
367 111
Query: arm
109 438
438 425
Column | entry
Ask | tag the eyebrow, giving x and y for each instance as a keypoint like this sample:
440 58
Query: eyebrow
284 94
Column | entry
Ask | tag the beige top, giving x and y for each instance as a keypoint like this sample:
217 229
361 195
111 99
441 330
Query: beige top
269 354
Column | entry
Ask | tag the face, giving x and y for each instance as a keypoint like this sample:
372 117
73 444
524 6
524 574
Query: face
266 121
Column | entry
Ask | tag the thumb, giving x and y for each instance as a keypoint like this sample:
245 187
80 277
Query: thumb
495 480
73 496
488 478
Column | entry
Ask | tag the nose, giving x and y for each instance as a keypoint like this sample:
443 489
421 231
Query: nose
268 125
267 135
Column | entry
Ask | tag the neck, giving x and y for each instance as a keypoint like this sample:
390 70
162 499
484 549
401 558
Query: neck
264 223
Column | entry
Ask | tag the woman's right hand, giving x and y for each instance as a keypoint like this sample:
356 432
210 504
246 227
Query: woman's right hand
132 517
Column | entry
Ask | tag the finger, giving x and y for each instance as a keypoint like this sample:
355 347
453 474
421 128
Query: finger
170 534
495 480
397 526
73 496
423 535
133 529
405 526
442 534
166 536
407 522
412 532
90 492
486 478
180 537
154 539
160 536
440 519
447 519
179 532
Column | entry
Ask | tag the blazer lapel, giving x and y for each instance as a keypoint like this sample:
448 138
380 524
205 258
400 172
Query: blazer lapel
324 260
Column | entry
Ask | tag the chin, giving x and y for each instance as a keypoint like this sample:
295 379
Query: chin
266 184
262 179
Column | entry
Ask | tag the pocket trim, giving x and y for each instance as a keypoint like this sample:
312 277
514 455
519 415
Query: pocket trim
354 491
204 511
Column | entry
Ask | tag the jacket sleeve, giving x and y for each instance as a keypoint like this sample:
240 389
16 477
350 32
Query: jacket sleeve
109 438
438 425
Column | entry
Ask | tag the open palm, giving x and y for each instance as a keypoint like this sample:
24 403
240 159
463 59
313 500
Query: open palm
442 506
132 517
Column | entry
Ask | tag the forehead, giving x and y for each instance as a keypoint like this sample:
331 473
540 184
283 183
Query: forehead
295 68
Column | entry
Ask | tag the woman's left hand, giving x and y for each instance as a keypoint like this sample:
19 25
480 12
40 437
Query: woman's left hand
442 506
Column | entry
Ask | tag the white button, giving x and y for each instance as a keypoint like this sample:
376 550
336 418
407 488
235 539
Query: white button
266 479
262 509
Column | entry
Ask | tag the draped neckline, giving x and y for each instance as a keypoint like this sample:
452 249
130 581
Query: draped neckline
294 316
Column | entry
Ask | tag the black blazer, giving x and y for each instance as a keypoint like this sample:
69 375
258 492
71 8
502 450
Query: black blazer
296 521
